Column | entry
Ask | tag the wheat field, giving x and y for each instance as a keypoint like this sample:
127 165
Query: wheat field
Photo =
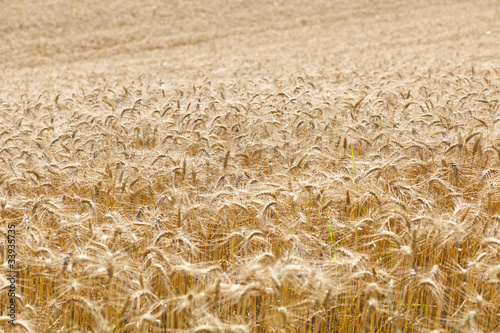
265 166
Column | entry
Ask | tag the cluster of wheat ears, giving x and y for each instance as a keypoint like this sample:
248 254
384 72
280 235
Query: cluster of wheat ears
309 203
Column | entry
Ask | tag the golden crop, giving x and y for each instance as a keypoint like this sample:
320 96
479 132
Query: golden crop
312 200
